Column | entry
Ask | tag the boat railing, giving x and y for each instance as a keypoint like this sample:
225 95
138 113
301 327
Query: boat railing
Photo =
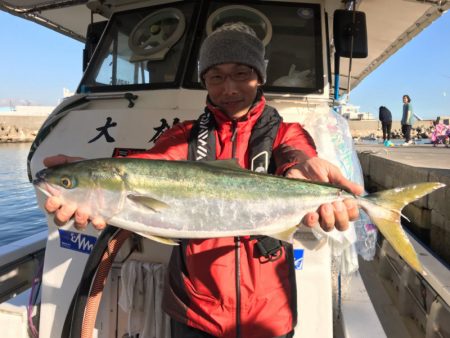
422 299
19 263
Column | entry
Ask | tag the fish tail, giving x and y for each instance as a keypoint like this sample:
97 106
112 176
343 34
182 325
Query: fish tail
384 209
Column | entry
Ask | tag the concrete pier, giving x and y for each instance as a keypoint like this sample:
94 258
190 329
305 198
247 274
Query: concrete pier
386 168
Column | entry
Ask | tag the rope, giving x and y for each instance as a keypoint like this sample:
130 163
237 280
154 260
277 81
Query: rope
95 294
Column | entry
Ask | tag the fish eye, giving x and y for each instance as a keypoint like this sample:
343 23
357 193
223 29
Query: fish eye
67 182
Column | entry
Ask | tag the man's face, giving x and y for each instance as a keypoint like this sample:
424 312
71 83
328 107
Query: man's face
232 87
405 99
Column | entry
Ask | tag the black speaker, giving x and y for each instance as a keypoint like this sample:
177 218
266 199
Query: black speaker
345 25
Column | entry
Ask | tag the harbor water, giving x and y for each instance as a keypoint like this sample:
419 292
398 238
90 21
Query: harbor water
20 216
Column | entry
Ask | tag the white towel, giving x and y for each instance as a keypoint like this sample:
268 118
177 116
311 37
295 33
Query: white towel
141 296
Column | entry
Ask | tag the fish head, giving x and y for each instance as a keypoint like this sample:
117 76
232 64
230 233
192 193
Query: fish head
96 187
54 181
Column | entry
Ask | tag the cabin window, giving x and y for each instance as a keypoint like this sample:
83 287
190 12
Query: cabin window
292 36
155 47
142 47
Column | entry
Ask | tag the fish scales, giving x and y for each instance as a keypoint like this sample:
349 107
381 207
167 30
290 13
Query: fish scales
194 178
214 196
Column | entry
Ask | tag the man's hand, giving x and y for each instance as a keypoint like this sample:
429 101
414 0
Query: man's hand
337 214
64 212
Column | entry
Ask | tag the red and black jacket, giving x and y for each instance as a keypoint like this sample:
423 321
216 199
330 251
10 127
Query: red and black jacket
224 286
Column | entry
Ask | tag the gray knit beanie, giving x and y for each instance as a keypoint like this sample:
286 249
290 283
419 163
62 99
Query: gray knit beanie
233 43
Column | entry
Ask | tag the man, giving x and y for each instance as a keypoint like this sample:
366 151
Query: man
228 287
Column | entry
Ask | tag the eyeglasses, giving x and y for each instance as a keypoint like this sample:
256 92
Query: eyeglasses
239 75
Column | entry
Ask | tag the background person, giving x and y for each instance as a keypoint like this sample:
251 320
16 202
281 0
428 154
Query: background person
407 120
211 293
385 117
440 133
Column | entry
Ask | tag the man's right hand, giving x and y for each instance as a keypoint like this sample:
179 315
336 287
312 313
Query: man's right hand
64 212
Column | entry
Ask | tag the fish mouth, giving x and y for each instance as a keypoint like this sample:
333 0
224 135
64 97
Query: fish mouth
42 185
39 178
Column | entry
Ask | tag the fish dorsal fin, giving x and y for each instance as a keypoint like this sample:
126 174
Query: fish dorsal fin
224 164
149 202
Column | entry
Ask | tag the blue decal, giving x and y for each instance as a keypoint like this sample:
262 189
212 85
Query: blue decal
76 241
298 259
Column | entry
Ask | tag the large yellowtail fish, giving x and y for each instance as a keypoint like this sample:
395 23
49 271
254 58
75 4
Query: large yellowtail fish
181 199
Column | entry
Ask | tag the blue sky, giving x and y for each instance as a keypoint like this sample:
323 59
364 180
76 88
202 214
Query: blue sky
37 63
420 69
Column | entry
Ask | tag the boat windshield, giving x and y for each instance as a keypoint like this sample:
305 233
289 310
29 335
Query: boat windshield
157 47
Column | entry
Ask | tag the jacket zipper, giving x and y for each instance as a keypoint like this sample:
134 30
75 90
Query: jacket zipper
238 286
234 129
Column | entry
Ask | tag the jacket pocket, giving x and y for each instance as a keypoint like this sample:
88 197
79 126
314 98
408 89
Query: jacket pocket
196 296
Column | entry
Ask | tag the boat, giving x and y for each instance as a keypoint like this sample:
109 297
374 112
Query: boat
140 78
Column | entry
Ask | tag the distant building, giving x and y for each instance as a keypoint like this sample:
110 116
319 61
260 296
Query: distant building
26 110
351 112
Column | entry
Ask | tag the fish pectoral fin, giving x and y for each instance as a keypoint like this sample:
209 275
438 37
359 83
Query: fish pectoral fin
149 202
286 235
158 239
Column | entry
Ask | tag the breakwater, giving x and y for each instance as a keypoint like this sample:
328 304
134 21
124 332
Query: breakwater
372 129
15 129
